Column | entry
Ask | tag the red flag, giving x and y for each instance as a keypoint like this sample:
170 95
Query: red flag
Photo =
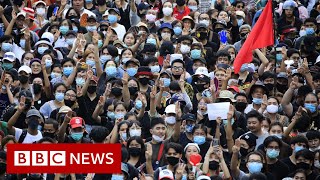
262 35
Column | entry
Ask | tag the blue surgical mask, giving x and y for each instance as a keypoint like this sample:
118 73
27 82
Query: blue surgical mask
100 43
4 87
240 22
298 148
132 71
55 75
6 47
152 41
309 31
244 68
177 30
138 104
189 128
88 1
111 115
59 96
48 63
166 81
75 29
199 140
41 50
278 136
225 121
254 167
257 101
91 28
117 177
279 57
112 18
77 136
105 58
117 59
111 71
7 66
90 62
311 107
195 54
64 29
67 71
22 43
155 69
70 41
119 115
272 153
124 136
80 81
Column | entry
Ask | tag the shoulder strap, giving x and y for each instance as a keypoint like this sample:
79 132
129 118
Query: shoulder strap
23 135
160 152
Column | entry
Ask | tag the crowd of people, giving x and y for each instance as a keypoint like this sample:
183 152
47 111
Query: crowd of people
143 72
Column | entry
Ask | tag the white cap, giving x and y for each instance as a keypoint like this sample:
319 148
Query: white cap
105 13
318 59
10 56
191 144
49 36
203 177
241 13
22 13
25 68
202 71
170 109
43 42
166 173
36 3
174 57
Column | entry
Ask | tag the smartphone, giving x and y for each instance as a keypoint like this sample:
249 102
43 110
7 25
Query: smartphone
215 142
55 11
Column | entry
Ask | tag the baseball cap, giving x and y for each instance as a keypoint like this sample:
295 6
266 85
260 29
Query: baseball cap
143 6
240 13
39 2
10 56
175 58
76 122
201 71
64 109
170 109
34 112
250 139
133 60
166 173
26 93
21 13
29 11
92 17
25 68
48 35
191 144
189 116
201 60
282 75
115 10
203 177
201 25
235 88
222 22
225 94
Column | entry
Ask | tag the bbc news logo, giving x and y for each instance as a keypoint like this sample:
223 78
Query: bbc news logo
64 158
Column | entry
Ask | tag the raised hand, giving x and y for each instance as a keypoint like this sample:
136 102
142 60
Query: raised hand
236 146
284 53
178 110
109 32
89 74
79 91
101 101
264 102
218 120
231 112
149 152
125 78
183 126
294 83
22 104
107 91
179 171
153 92
68 116
166 62
14 15
95 38
27 34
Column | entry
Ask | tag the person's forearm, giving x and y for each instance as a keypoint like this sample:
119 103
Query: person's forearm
135 47
72 52
261 69
71 77
10 96
114 135
13 119
106 41
262 57
287 97
5 21
9 28
234 165
96 112
126 95
85 86
141 112
176 133
152 107
149 166
62 132
309 79
229 133
28 45
158 98
97 61
225 170
188 101
217 134
205 165
288 130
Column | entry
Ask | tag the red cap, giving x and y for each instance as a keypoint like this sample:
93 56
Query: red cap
76 122
235 88
30 12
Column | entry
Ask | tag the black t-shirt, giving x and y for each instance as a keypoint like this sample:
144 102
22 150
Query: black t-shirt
313 176
20 123
86 108
279 170
4 101
289 163
183 140
43 99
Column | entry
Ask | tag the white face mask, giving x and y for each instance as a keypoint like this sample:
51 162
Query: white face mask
206 22
41 11
314 149
170 120
157 138
185 49
135 132
317 164
167 11
166 36
272 109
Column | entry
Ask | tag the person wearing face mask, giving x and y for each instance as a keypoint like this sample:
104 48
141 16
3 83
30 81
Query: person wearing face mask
144 75
243 31
167 14
6 95
241 102
311 103
201 34
59 92
305 161
41 46
33 120
268 79
313 140
89 100
247 145
92 26
173 155
180 10
50 129
297 144
165 32
308 49
184 43
272 112
77 129
272 146
186 136
113 18
257 91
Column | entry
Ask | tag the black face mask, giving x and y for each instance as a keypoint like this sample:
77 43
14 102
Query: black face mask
23 79
303 165
133 90
213 165
92 89
135 152
180 2
244 152
243 35
218 30
27 104
69 103
269 86
203 35
33 123
144 81
200 87
73 17
282 88
116 91
172 160
50 135
176 76
240 106
37 88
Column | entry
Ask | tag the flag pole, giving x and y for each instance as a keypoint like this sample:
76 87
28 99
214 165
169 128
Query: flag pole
274 45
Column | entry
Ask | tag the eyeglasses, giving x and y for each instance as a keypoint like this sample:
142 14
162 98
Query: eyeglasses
177 68
70 95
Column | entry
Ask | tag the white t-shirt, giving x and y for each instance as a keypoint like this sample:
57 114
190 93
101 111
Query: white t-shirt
29 139
120 30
